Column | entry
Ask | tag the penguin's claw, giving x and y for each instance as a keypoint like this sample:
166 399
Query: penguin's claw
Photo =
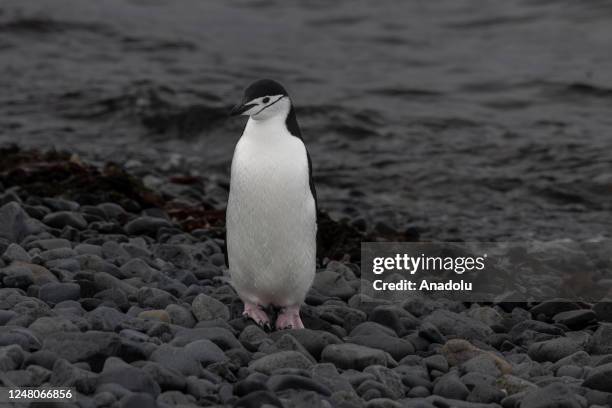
255 313
289 318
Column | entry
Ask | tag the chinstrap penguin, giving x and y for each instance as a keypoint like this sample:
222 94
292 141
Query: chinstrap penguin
271 216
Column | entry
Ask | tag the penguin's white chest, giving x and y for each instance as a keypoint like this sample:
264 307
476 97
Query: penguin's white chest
271 219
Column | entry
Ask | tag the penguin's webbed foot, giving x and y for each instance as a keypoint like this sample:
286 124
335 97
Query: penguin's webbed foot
289 318
257 314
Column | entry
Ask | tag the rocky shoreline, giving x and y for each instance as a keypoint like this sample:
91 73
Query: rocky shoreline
118 290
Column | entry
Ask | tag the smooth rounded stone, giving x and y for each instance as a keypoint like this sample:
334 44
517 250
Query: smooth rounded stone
458 351
146 226
287 343
112 210
340 314
131 378
206 307
254 382
486 315
601 341
138 400
180 316
519 330
176 398
50 243
62 219
313 340
579 359
58 253
282 359
188 360
18 277
278 383
333 284
371 389
60 204
16 224
514 385
328 375
450 323
64 265
347 356
82 346
372 328
106 318
6 316
88 249
436 362
136 267
396 347
58 292
555 395
154 298
11 357
65 374
553 350
89 262
482 363
485 394
431 333
418 392
221 336
200 388
40 274
570 371
252 337
552 307
394 317
450 386
600 378
42 358
575 318
167 378
116 296
259 399
114 252
104 399
389 378
20 336
15 252
47 325
159 315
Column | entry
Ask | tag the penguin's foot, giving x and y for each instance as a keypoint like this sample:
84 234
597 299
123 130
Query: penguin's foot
289 318
257 314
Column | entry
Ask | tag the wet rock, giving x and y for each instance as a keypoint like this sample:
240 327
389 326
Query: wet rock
138 400
396 347
180 316
206 307
278 383
44 326
449 386
575 318
14 252
58 292
188 360
82 346
131 378
553 350
146 226
11 357
600 378
601 341
154 298
21 336
313 340
556 395
353 356
259 399
333 284
16 224
63 219
450 323
281 359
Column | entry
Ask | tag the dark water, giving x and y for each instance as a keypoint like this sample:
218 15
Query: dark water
471 120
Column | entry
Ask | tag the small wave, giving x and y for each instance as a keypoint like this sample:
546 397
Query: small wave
39 25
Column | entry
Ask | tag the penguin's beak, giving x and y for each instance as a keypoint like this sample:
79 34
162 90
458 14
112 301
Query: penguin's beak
241 108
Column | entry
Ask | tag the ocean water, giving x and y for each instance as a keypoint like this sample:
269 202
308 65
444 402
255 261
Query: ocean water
465 120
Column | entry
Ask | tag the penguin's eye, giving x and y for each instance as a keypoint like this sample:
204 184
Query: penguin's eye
265 100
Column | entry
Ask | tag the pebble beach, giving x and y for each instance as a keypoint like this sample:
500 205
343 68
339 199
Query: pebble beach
127 300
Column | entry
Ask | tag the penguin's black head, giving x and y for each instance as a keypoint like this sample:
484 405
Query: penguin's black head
263 99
